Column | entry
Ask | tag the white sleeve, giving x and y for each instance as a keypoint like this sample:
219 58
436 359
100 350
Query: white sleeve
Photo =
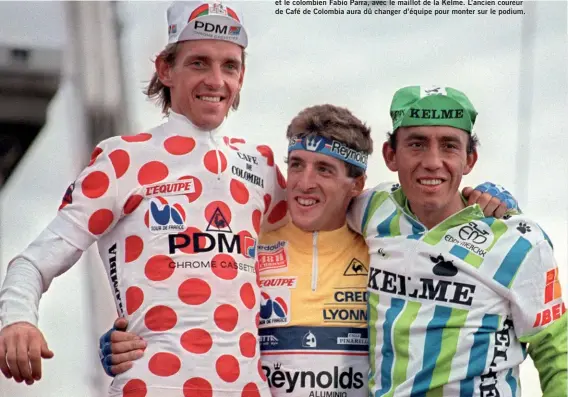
31 273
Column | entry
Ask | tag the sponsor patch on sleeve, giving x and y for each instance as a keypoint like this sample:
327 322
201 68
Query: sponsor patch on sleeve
273 257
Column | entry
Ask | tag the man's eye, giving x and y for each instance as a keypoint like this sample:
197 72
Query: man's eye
415 145
197 64
324 170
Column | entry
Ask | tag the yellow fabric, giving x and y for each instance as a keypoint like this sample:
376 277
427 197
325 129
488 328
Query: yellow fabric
336 250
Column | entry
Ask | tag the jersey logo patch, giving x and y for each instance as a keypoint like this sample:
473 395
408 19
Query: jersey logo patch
170 188
356 268
275 307
166 217
218 223
273 257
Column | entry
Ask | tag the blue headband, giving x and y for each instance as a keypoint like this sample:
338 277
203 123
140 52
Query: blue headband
333 148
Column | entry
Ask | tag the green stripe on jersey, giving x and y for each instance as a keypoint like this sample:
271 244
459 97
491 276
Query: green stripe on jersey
498 228
376 201
435 235
401 345
450 338
372 311
395 224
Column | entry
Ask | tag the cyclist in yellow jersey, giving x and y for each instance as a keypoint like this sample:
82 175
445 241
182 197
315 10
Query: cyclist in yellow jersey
313 271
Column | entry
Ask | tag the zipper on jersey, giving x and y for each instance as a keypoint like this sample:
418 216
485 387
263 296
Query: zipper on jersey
218 156
315 261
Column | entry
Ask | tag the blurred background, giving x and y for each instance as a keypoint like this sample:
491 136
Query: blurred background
72 74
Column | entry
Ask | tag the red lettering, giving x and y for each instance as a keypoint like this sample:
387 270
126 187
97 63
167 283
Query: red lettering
546 317
556 311
537 321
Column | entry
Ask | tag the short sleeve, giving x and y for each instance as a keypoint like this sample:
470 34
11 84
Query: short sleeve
90 206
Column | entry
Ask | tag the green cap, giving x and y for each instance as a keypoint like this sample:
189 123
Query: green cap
419 105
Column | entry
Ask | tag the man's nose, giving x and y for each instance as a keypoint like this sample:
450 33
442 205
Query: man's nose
214 78
432 159
307 178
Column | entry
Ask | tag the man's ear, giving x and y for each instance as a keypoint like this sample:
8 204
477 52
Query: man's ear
358 185
470 162
390 157
163 71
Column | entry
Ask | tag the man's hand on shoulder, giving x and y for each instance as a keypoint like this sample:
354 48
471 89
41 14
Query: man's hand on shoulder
118 349
493 199
22 346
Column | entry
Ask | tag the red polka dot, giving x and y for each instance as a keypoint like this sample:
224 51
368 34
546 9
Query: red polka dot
196 341
133 247
227 368
239 191
120 162
224 266
223 208
179 145
132 203
247 344
160 318
194 291
147 218
94 155
100 221
134 388
278 212
256 216
257 319
267 201
134 299
281 179
197 387
152 172
250 390
137 138
247 295
159 268
197 186
238 140
266 152
261 371
226 317
95 184
211 163
164 364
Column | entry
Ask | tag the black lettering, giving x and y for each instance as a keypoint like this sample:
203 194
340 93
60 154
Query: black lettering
463 294
414 113
205 248
174 244
437 293
402 285
389 282
223 242
373 279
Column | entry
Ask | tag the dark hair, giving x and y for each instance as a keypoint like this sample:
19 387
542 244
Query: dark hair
334 122
472 141
160 93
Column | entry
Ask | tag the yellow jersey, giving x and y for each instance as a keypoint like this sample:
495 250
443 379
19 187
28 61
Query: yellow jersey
313 315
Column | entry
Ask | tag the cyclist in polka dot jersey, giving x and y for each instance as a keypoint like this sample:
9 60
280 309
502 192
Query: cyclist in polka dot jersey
176 212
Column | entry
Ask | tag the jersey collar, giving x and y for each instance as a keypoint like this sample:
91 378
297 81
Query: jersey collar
188 128
327 242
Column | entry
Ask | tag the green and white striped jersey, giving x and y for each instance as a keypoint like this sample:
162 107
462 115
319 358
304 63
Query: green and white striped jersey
452 309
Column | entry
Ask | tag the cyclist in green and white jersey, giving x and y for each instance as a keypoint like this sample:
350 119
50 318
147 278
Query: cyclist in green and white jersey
456 299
